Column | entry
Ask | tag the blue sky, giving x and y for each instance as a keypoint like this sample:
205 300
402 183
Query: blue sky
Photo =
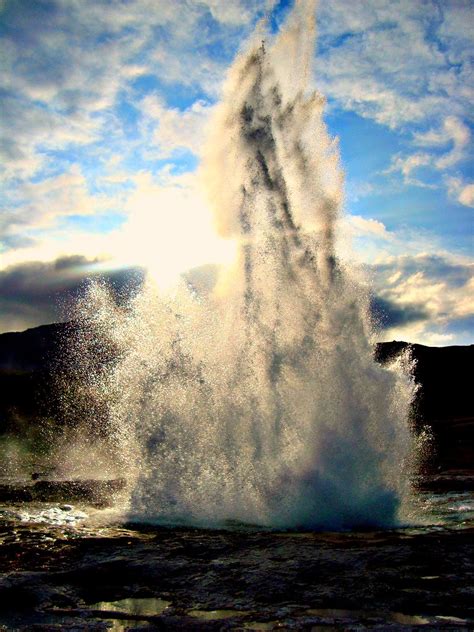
105 105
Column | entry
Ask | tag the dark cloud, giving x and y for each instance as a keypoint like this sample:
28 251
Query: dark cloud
13 242
433 267
35 293
428 294
386 313
73 261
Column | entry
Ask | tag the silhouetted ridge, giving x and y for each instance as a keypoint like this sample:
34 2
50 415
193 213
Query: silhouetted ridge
31 350
444 400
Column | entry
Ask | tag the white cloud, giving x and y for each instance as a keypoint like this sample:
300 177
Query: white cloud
466 196
65 64
455 30
453 131
170 228
368 242
196 71
237 12
461 191
360 239
28 130
64 67
392 61
362 226
406 165
406 66
438 289
173 129
34 207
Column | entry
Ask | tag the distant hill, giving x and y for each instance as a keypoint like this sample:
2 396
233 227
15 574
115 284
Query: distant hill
31 350
31 360
445 399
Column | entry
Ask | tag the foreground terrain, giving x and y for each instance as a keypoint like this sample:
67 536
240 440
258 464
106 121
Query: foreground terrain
64 570
66 565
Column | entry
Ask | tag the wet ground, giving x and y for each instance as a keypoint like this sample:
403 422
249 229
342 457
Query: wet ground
60 572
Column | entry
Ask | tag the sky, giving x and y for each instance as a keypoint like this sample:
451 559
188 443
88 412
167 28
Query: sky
105 106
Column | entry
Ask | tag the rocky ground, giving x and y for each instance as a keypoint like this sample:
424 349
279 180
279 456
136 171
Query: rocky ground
56 577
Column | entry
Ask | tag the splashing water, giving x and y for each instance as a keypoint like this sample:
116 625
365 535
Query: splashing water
261 402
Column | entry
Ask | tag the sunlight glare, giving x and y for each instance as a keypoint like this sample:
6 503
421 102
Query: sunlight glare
170 231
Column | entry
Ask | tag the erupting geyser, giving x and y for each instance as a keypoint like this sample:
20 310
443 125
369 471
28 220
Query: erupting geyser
261 402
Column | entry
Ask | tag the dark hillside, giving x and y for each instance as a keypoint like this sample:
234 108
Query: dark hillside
31 350
445 399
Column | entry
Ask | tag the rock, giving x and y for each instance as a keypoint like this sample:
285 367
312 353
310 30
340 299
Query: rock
96 492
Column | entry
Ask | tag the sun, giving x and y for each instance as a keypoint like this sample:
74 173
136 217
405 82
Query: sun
170 231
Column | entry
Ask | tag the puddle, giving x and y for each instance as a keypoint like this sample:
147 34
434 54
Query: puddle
123 625
121 615
138 606
453 620
214 615
407 619
64 515
257 625
358 615
73 620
